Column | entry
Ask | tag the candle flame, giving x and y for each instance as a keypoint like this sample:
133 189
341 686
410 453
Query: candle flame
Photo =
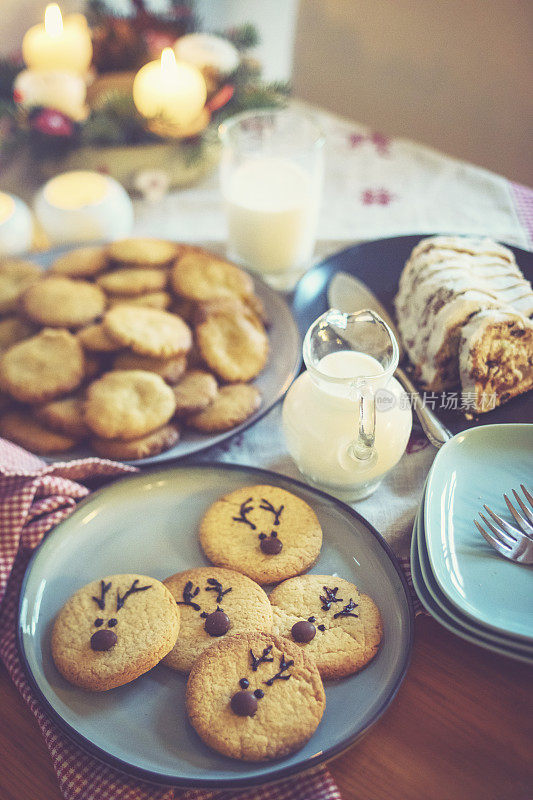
168 61
53 21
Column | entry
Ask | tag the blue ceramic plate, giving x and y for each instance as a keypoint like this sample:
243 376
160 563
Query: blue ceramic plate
516 648
147 523
473 468
437 612
282 367
379 264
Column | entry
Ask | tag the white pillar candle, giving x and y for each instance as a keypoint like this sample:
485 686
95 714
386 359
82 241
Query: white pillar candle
63 91
169 91
84 206
16 225
58 44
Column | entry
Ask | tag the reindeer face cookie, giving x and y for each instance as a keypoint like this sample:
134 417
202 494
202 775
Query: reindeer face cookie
338 627
255 697
113 630
263 531
214 603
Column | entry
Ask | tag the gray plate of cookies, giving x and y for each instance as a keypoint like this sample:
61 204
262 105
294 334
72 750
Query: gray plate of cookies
214 625
143 350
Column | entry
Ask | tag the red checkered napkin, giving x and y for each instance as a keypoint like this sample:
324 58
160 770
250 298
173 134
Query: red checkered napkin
35 496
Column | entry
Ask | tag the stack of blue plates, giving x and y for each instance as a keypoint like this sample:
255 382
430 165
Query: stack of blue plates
459 578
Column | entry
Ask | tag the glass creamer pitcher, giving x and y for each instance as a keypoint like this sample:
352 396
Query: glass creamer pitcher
346 419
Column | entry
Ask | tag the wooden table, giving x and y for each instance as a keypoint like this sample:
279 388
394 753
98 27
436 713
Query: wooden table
460 728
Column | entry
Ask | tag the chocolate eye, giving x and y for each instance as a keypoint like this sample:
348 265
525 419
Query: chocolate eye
112 622
259 693
244 683
98 622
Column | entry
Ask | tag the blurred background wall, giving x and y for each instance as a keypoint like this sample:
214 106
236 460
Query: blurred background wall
453 74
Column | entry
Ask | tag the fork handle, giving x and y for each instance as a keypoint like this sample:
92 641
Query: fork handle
437 433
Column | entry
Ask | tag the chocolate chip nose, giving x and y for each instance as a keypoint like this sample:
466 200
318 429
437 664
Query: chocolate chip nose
303 631
244 704
103 639
271 546
217 623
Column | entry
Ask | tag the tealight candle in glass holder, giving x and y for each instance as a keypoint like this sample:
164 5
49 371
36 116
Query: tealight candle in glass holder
83 206
16 225
271 180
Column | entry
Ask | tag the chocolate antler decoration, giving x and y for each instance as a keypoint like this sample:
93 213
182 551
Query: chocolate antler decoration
346 611
266 505
245 509
133 588
100 601
279 676
261 659
216 586
329 598
188 595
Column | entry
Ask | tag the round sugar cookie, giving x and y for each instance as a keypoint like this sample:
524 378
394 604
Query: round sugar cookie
204 276
20 427
131 282
143 252
82 262
96 339
171 369
43 367
61 302
262 531
195 392
255 697
161 300
232 406
131 449
215 603
148 331
127 404
64 416
234 346
113 630
15 277
338 627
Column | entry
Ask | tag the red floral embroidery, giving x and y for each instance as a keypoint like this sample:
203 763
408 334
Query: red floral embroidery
377 197
378 140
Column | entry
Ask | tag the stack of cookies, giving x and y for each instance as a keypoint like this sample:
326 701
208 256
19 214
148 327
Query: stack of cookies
126 345
255 662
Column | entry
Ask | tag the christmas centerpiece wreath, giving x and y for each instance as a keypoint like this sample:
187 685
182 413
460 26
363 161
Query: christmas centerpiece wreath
62 129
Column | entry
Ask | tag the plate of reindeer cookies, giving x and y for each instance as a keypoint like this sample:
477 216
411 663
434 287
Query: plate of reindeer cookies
143 350
225 626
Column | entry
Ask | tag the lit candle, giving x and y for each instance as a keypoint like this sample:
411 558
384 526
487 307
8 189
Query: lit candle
16 225
58 44
169 91
83 206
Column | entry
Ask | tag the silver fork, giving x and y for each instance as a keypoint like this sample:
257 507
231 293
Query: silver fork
509 541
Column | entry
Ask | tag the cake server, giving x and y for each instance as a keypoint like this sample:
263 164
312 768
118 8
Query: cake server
349 294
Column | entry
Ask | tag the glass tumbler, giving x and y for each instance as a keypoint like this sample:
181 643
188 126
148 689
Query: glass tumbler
271 180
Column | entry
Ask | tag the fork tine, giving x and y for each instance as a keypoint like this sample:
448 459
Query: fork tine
529 498
504 550
522 523
501 536
525 509
508 529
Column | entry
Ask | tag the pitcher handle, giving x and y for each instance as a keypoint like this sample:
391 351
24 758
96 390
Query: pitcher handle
362 448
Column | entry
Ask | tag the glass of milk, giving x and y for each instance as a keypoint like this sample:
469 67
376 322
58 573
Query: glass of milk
271 180
345 419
